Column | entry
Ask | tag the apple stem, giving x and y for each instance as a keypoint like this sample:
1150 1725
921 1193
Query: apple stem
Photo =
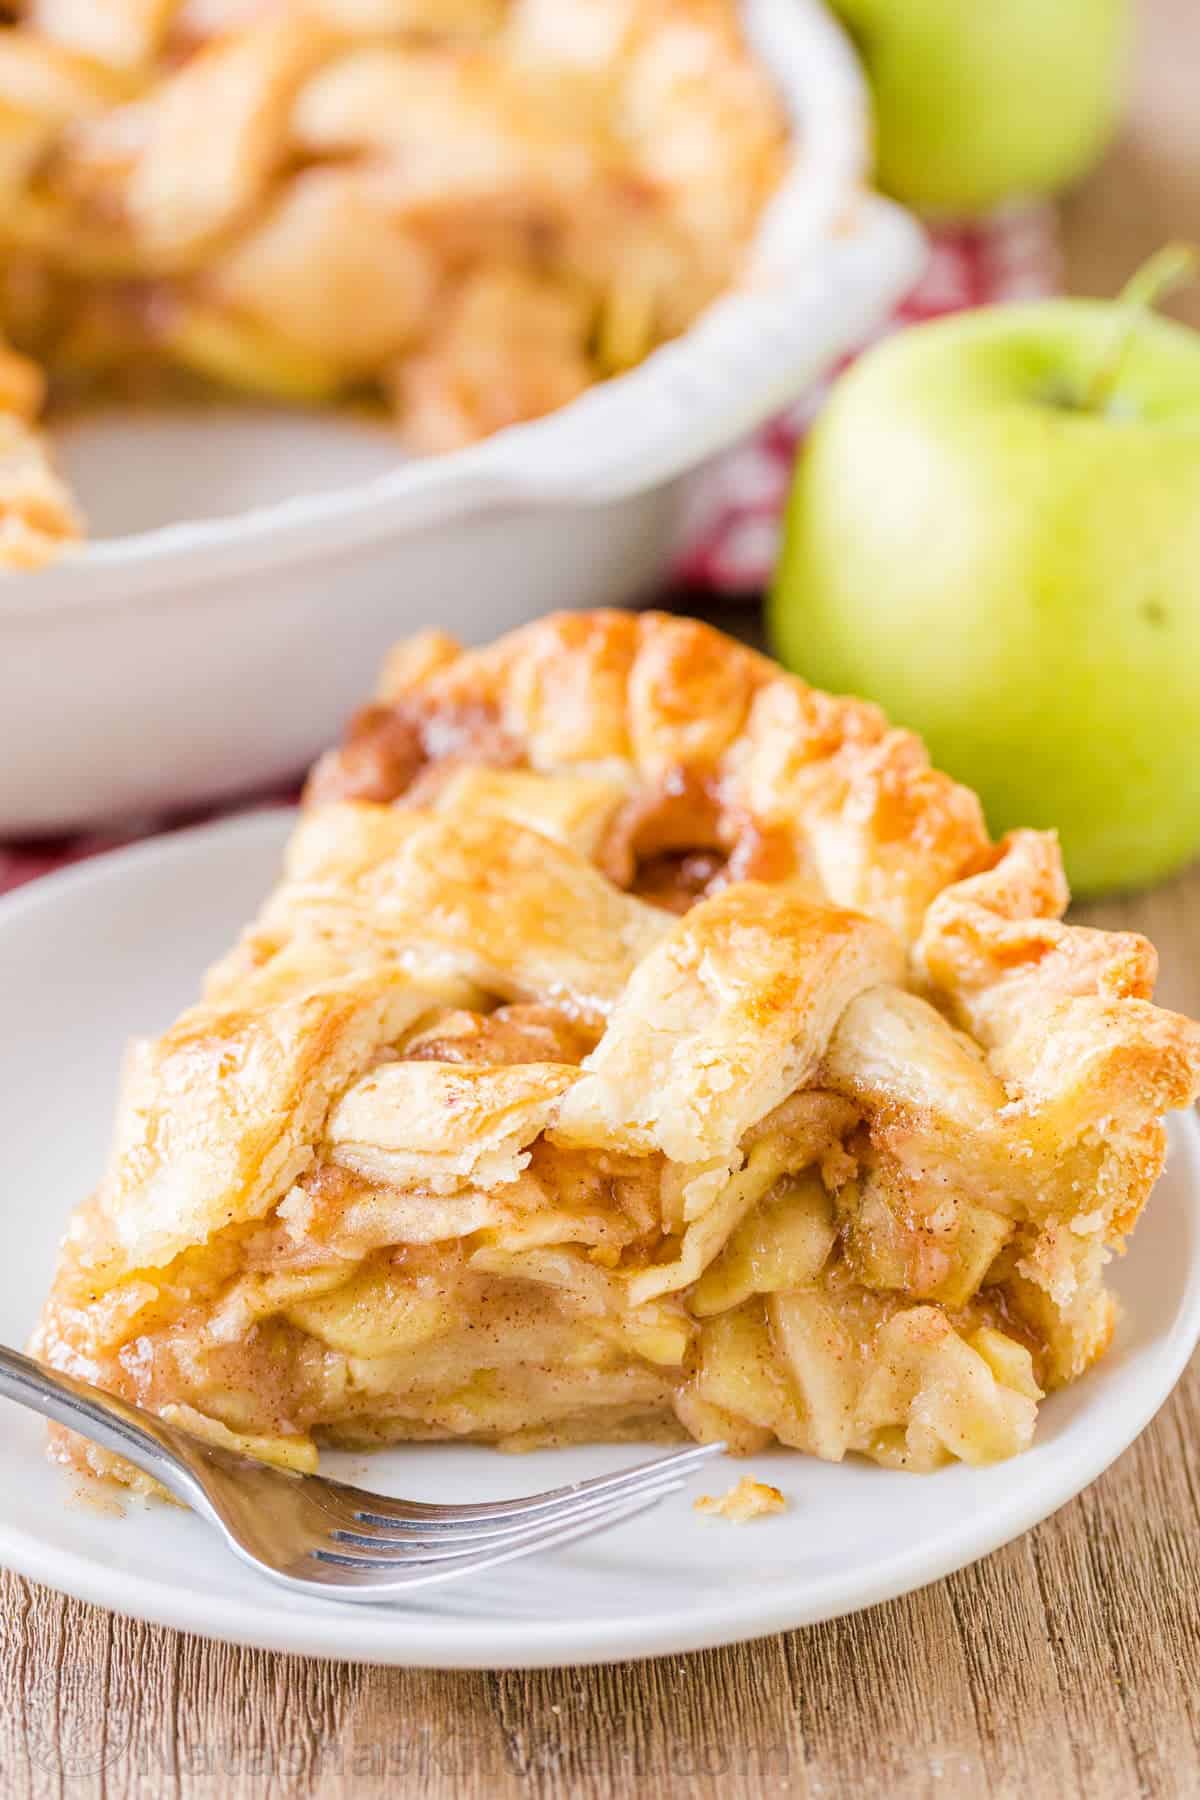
1172 267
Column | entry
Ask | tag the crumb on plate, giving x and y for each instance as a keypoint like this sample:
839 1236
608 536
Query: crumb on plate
749 1499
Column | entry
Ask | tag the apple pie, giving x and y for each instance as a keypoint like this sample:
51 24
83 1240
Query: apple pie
466 211
639 1042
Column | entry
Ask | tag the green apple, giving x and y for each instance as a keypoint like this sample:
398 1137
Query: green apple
977 101
995 533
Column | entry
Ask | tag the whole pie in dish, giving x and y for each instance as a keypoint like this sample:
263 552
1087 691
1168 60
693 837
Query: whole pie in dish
465 211
638 1043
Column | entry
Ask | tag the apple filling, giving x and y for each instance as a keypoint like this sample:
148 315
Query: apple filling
573 1296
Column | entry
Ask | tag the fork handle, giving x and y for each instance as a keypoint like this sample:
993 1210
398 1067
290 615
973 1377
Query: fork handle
112 1423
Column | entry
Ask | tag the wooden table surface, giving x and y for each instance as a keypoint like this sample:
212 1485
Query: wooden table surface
1066 1665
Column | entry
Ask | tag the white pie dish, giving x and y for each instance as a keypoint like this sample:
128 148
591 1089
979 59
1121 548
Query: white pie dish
127 937
161 664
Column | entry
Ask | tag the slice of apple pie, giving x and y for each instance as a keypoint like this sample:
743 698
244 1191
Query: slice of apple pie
639 1042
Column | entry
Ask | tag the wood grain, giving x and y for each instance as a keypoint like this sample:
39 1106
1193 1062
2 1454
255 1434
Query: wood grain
1065 1665
1148 190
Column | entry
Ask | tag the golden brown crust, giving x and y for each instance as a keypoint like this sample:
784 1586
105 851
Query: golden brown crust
462 897
1063 1011
218 1116
724 1018
654 701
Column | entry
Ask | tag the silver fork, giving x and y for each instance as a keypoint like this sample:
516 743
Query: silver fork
325 1538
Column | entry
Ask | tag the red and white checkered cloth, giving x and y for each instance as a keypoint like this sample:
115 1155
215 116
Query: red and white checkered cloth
733 534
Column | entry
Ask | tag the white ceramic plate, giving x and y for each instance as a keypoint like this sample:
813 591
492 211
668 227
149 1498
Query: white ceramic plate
114 948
